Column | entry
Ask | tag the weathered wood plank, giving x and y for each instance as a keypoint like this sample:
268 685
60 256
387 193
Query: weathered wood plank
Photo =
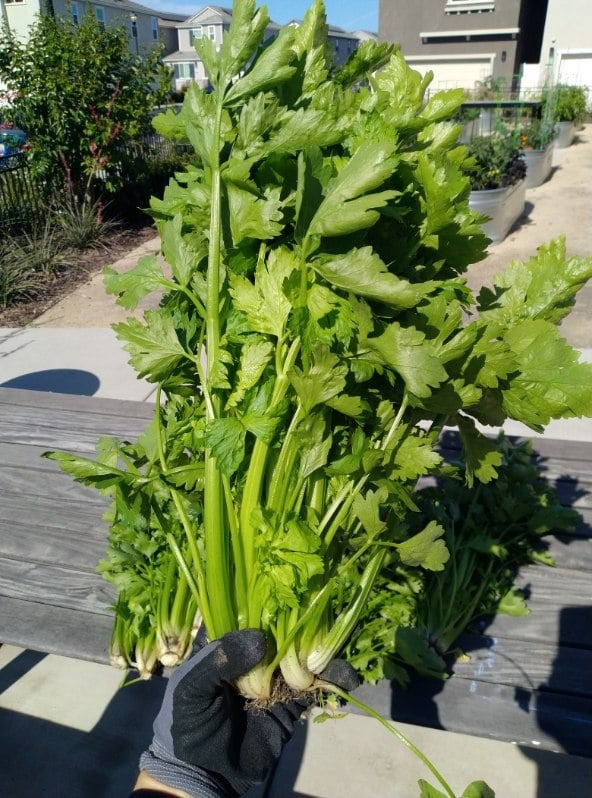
40 401
570 552
560 602
71 588
41 486
527 679
557 722
554 449
55 630
508 661
77 539
64 422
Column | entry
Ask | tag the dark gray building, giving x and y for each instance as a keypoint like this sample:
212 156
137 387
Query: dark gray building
465 41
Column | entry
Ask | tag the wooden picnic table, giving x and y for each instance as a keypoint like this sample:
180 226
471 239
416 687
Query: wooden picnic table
528 680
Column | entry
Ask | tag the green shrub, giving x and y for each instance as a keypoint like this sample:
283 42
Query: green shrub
41 248
82 223
145 176
16 282
569 103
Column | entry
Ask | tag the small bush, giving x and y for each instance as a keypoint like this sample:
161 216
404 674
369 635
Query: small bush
17 280
568 103
536 134
82 223
40 249
146 177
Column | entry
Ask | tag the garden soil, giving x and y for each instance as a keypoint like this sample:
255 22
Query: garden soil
561 206
81 269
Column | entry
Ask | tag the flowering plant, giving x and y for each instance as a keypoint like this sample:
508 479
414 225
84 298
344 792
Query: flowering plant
536 134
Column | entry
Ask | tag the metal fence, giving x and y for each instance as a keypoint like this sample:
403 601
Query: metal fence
22 199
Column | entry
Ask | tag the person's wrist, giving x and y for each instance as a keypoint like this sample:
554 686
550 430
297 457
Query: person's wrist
147 784
181 778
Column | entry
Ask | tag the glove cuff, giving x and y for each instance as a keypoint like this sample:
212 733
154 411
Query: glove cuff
177 774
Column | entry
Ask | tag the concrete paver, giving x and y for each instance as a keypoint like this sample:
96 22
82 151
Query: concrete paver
83 361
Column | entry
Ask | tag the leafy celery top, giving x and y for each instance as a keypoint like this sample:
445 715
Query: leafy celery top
314 338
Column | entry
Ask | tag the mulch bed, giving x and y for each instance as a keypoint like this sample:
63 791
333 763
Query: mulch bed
86 264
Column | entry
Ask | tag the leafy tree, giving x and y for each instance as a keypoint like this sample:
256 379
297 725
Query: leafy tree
79 94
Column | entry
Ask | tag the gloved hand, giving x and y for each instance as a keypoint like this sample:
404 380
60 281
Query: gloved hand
205 741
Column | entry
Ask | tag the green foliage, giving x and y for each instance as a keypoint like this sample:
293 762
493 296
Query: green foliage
477 789
498 161
314 315
79 93
27 259
81 223
311 346
143 174
489 531
536 134
568 103
490 88
17 280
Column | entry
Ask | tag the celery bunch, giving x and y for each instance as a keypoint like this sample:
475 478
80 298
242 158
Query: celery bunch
311 344
310 347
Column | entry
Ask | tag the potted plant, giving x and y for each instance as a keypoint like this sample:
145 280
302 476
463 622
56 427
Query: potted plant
568 108
498 182
536 140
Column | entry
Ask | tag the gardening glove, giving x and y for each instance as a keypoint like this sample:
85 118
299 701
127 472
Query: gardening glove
205 741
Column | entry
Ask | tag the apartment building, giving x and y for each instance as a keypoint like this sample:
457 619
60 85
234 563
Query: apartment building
212 21
146 27
465 41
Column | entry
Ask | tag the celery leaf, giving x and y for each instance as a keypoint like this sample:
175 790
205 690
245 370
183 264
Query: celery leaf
133 285
426 549
154 346
542 288
406 351
550 381
363 272
482 455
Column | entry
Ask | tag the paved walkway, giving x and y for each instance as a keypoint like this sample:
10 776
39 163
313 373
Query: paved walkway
561 206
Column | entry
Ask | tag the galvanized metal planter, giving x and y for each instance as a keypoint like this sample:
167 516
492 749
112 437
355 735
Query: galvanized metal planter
538 165
503 206
566 133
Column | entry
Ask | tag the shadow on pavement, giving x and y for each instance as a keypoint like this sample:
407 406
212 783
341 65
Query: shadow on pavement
72 381
42 758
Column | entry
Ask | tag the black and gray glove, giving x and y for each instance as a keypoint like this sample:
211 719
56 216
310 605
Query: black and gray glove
205 743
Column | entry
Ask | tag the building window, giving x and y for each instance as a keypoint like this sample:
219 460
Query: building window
100 16
196 33
154 25
13 2
212 32
469 6
185 70
74 13
475 34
